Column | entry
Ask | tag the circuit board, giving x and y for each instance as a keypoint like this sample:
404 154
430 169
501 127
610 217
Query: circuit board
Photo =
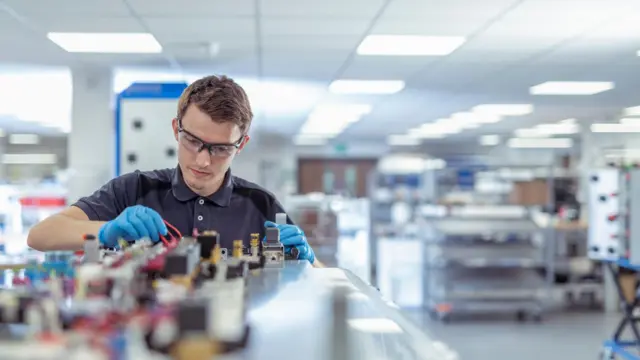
182 298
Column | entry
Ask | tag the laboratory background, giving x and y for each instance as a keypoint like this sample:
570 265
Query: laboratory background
471 163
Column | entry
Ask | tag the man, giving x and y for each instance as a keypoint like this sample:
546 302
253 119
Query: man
213 118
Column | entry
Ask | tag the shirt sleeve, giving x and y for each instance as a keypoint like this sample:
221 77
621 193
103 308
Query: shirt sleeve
111 199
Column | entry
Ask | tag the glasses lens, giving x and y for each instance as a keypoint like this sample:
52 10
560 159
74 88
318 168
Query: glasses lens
222 150
189 142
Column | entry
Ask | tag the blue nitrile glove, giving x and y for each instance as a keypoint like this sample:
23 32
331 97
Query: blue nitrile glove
134 223
290 236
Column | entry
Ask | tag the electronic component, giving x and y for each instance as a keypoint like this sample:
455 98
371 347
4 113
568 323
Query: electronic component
208 240
273 250
91 249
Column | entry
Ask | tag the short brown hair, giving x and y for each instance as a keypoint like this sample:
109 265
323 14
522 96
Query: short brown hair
219 97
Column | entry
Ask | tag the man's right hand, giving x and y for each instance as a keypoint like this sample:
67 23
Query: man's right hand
134 223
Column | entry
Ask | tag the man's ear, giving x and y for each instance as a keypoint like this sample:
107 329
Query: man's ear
244 142
174 124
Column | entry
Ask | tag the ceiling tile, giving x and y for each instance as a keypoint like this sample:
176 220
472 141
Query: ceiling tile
90 24
385 67
47 9
357 9
307 65
313 26
230 33
172 8
310 42
452 10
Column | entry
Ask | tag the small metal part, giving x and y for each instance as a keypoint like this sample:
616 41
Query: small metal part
281 218
237 248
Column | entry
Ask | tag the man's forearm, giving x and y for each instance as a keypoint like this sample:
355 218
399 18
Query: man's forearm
61 232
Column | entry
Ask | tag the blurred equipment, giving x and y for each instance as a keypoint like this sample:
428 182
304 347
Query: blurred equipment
144 140
486 259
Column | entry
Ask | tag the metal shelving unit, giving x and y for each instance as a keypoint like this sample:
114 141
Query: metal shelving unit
483 261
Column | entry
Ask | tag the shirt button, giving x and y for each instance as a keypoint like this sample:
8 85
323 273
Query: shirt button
201 202
200 218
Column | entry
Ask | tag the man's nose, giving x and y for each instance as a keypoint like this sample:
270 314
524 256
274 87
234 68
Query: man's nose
203 159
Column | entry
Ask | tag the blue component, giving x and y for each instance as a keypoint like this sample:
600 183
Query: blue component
143 91
118 345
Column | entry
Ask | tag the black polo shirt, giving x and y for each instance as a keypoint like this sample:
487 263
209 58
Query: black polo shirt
238 209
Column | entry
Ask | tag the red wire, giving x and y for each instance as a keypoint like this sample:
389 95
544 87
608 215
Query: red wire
174 237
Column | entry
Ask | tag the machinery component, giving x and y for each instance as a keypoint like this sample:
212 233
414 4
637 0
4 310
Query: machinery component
273 250
91 249
281 218
183 259
237 249
208 241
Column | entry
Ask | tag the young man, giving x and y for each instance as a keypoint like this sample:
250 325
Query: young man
213 118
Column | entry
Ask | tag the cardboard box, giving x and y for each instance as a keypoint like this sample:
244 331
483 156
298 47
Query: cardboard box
528 193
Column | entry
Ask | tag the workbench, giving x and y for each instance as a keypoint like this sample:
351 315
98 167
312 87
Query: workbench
291 317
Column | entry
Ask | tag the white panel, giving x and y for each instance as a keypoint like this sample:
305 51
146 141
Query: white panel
90 24
310 42
305 65
193 8
314 26
384 67
238 32
441 26
47 9
454 10
312 8
400 276
151 142
602 244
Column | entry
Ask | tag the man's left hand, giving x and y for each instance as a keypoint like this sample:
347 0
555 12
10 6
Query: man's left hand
292 236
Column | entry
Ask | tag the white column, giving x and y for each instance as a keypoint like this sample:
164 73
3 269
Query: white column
91 142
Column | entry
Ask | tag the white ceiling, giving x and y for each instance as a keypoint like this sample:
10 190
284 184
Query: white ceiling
511 45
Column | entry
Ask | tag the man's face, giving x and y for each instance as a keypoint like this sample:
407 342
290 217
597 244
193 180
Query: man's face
202 168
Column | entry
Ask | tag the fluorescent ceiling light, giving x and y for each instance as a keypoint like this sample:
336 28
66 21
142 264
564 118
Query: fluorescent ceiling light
632 111
489 140
559 129
615 128
630 121
375 325
504 109
571 88
420 134
29 159
330 120
477 118
440 127
366 86
540 143
409 45
402 140
568 121
24 139
306 140
530 133
119 43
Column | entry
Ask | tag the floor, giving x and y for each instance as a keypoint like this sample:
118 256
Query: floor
565 336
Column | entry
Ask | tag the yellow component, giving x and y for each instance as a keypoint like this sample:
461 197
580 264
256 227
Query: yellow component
209 232
182 280
123 243
194 348
255 240
237 248
216 255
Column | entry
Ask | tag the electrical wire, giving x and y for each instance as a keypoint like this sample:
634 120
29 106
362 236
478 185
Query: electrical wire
176 236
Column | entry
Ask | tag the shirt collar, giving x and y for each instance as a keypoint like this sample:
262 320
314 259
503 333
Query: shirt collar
181 191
